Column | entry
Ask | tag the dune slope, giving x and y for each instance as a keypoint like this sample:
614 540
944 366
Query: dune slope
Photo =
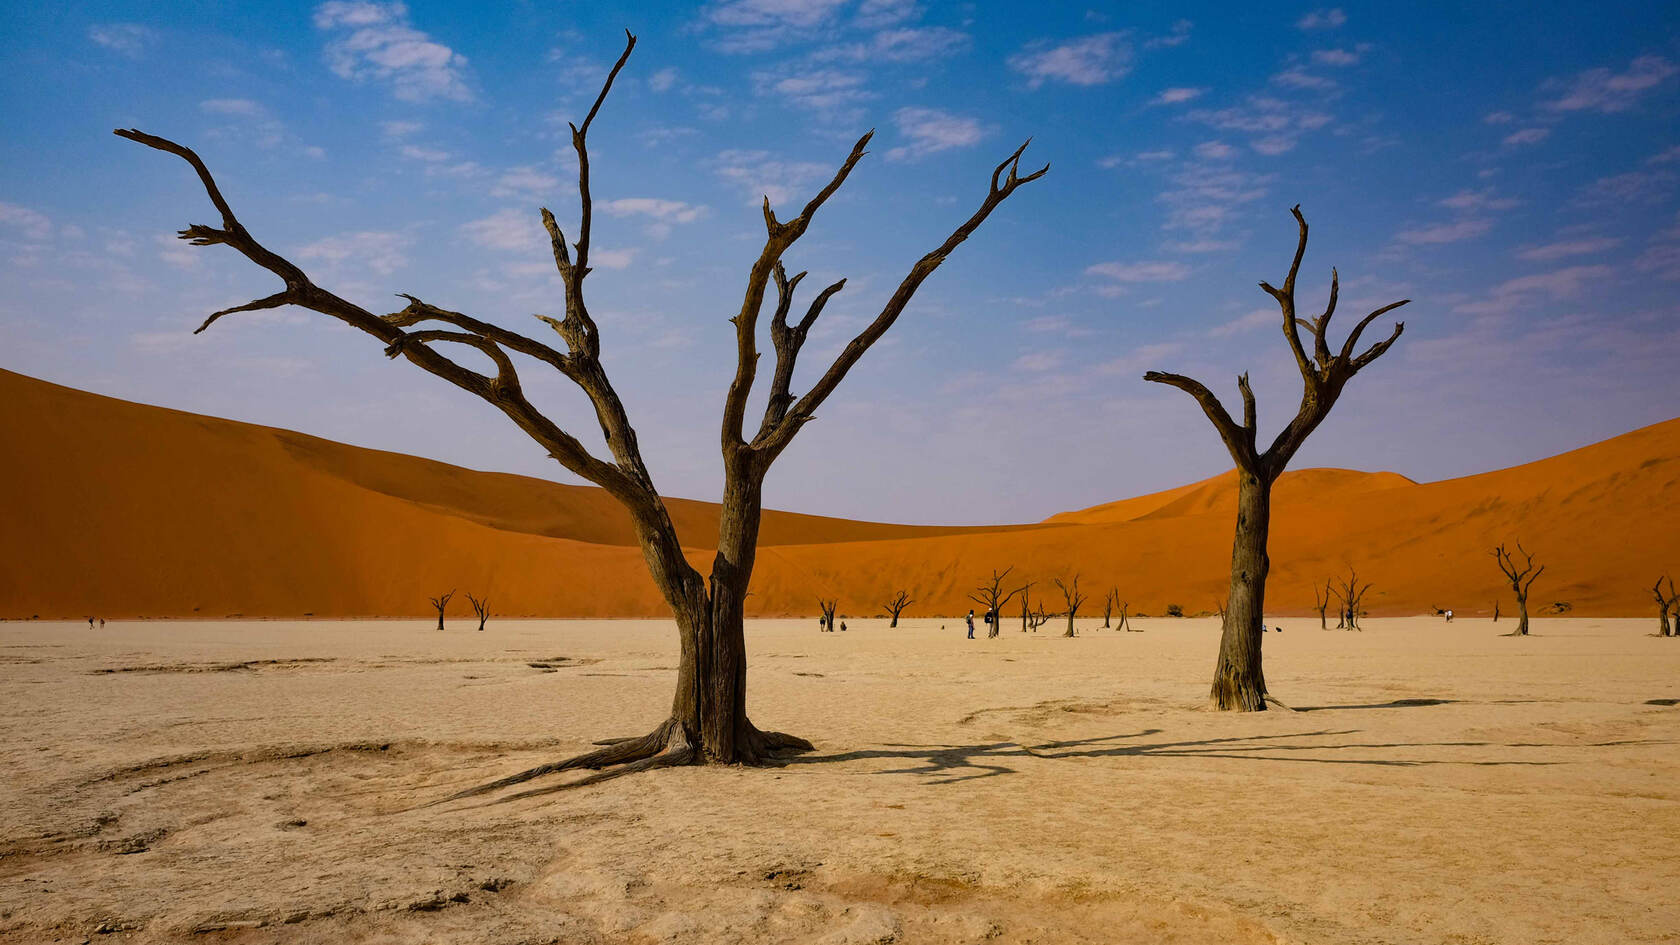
121 509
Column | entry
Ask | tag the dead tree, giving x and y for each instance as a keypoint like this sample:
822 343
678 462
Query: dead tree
708 721
826 621
1664 603
992 597
438 602
1110 601
1350 594
1238 680
481 607
896 606
1496 611
1219 607
1521 580
1039 618
1322 602
1070 593
1125 621
1026 593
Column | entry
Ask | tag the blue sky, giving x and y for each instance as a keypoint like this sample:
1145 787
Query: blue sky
1514 169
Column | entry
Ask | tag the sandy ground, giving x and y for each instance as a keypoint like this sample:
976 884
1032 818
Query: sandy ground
251 782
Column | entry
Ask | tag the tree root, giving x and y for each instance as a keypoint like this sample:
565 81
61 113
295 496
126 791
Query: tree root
667 746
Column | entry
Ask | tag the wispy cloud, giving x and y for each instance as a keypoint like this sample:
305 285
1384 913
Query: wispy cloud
911 44
1527 136
745 26
1443 233
1329 19
1566 248
1335 57
378 251
929 130
1152 271
1175 96
1259 318
763 175
1603 90
32 224
1089 60
130 39
376 41
1559 284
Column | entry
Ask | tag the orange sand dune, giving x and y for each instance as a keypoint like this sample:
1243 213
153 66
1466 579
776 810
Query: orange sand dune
121 509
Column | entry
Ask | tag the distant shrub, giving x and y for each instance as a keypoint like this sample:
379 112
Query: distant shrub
1173 610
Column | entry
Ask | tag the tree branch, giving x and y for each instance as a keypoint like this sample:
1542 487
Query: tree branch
773 441
1237 441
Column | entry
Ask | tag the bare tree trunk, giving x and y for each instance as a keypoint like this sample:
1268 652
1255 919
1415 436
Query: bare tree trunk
1664 602
1496 611
1238 682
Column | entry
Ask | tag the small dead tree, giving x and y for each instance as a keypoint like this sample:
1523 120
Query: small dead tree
1664 603
826 621
1238 680
1111 600
1071 594
1350 593
991 596
438 602
1219 608
1039 618
1322 602
1026 593
1125 621
1496 611
481 607
708 722
896 606
1521 578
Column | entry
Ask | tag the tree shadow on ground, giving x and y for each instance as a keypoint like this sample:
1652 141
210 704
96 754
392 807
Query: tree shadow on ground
949 764
1394 704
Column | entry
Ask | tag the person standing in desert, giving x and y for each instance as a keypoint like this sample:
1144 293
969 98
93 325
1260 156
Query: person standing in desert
971 623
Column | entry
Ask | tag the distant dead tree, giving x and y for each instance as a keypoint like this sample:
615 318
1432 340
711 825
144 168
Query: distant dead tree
481 607
1071 594
896 606
1322 602
1351 593
1039 618
1026 593
438 602
1521 580
827 619
708 722
1111 600
1664 603
1496 611
1125 621
1238 680
1219 608
992 597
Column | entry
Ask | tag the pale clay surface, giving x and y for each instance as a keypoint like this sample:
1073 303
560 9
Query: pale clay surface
160 788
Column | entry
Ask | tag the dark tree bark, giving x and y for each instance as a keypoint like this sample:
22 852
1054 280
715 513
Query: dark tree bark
827 619
1125 621
896 606
439 602
992 597
1496 611
1521 578
1238 682
1110 601
1322 602
481 607
1026 594
1070 593
708 720
1664 603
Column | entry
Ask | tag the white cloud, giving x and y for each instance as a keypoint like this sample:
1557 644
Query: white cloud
375 41
32 223
243 107
1215 151
1204 198
1335 57
527 182
611 258
1156 271
1274 145
1527 136
833 93
873 14
1298 78
930 130
663 211
1141 358
1630 187
379 251
1179 36
1559 284
1322 19
758 25
663 80
1202 246
1258 318
514 231
1665 157
1479 200
400 129
919 44
130 39
1499 118
1090 60
1037 361
1174 96
1559 250
764 176
1602 90
1444 232
415 152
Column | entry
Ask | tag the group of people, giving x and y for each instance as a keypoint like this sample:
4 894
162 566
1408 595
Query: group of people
989 618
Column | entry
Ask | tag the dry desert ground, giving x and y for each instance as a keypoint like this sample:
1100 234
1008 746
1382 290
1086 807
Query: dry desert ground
256 782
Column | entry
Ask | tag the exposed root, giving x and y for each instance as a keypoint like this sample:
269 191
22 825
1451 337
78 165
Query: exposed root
1279 703
667 746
